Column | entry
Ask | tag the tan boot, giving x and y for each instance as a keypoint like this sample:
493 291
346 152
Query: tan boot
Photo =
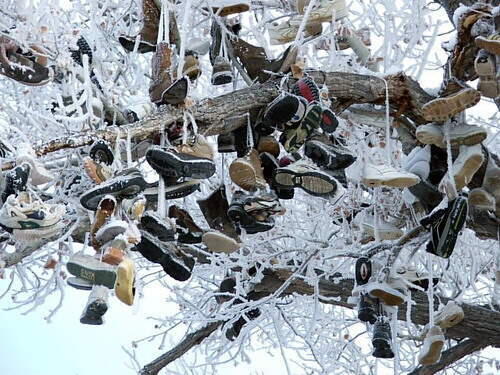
149 31
246 172
444 108
269 144
199 148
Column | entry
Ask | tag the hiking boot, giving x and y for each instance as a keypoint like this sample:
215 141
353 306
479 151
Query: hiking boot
366 309
490 43
30 219
247 172
156 251
430 353
381 340
306 88
96 307
323 10
126 184
225 143
268 144
171 163
78 283
489 84
442 109
468 162
223 8
263 204
174 190
384 175
462 134
187 230
222 72
481 199
101 152
449 316
310 179
125 278
15 180
105 210
386 230
88 268
218 242
328 156
162 228
215 210
239 215
445 230
285 108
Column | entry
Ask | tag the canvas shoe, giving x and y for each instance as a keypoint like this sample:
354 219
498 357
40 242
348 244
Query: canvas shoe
418 162
442 109
126 184
78 283
323 10
390 292
462 134
328 156
96 307
215 210
101 152
218 242
490 43
88 268
430 352
162 228
187 230
384 175
224 8
306 88
449 316
309 178
174 190
485 65
285 108
386 230
171 163
481 199
15 181
38 174
125 278
247 172
446 228
382 339
222 72
156 251
468 162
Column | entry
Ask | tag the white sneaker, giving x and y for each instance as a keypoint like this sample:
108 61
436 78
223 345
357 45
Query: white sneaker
391 293
481 199
418 162
449 316
433 344
384 175
323 10
39 175
462 134
464 167
387 231
220 243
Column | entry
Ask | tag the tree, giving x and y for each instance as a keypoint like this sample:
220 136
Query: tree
299 275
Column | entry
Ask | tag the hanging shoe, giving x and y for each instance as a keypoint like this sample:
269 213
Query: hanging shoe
363 270
328 156
111 230
485 65
224 8
391 293
239 215
386 230
225 143
174 190
462 134
268 144
218 242
162 228
309 178
480 199
420 279
101 152
222 72
282 33
88 268
490 43
269 166
285 108
15 180
430 353
442 109
96 306
247 172
39 175
306 88
382 339
105 210
323 10
445 230
366 309
125 278
384 175
191 66
418 162
187 230
449 316
134 208
97 172
329 121
78 283
114 252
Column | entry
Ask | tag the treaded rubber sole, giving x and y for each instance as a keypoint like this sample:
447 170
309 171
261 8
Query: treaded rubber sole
313 183
442 109
171 164
98 277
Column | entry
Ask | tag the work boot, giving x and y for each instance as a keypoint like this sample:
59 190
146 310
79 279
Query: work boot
461 134
247 172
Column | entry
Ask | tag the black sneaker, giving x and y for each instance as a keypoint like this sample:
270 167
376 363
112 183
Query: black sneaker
363 270
101 152
307 88
96 307
328 156
126 184
158 252
285 108
187 230
239 215
162 229
381 340
329 121
170 163
366 310
16 180
445 230
225 143
173 189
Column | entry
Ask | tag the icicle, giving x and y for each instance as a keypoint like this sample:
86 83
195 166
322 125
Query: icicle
298 37
184 24
129 151
430 291
451 182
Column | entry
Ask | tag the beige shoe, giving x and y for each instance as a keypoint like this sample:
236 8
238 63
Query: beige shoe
218 242
125 278
384 175
105 210
246 172
490 43
199 148
462 134
481 199
449 316
442 109
433 344
464 167
485 65
323 9
225 8
390 293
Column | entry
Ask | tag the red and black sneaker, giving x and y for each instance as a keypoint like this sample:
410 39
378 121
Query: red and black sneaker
307 88
329 121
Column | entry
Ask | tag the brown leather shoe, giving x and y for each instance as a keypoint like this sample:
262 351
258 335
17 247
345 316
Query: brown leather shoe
246 172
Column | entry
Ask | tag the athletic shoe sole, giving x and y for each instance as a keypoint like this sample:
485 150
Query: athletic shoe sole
314 183
173 164
243 174
442 109
102 275
180 190
396 181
